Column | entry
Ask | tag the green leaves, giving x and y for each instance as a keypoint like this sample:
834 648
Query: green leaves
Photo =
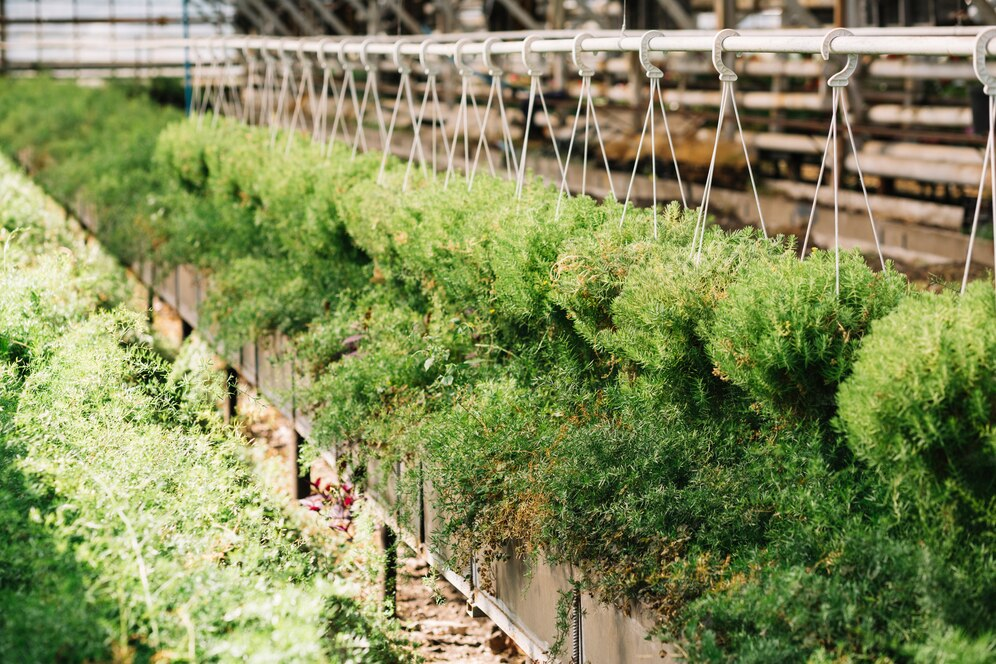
659 420
785 336
919 408
132 522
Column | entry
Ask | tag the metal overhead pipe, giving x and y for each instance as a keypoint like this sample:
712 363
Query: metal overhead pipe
954 42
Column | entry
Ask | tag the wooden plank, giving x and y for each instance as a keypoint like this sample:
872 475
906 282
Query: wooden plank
905 210
921 170
931 116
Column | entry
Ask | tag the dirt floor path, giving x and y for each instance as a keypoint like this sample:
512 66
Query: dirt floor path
434 614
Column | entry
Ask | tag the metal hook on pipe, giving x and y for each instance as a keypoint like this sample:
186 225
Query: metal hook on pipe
423 57
345 62
402 65
209 45
264 51
463 68
301 57
725 73
979 60
216 54
488 56
841 78
989 86
285 46
320 51
653 71
533 63
365 55
583 68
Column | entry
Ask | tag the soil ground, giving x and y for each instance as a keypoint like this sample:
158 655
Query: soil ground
434 614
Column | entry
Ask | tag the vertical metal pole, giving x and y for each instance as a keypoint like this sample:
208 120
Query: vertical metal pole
303 482
390 543
726 14
188 90
113 25
231 403
76 31
38 35
3 36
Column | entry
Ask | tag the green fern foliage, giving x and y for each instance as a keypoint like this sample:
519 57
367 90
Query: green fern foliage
785 335
918 408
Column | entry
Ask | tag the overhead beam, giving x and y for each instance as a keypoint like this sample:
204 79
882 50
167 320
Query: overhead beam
521 15
267 16
453 22
800 16
404 16
331 19
677 13
359 8
589 15
306 25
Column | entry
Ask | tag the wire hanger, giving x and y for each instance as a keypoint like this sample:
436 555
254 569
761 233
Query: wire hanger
404 90
534 69
654 76
463 119
431 95
320 125
495 94
252 63
369 90
838 84
727 78
348 85
307 86
989 87
585 70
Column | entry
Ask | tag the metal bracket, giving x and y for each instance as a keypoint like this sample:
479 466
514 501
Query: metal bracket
301 57
653 71
463 68
533 63
423 57
365 55
322 60
344 62
488 56
583 68
841 78
725 73
403 66
285 59
979 60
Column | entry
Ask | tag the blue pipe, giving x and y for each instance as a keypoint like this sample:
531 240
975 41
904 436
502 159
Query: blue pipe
188 89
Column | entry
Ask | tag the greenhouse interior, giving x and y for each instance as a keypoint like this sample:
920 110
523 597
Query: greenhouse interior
373 331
